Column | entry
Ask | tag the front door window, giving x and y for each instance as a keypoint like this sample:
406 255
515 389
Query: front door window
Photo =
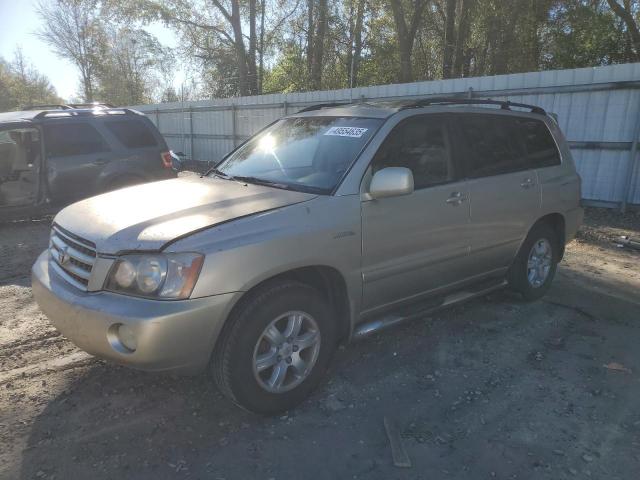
20 155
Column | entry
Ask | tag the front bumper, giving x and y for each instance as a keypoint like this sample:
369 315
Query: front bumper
176 336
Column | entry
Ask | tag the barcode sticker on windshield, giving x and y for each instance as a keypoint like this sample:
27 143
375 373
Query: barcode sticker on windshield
353 132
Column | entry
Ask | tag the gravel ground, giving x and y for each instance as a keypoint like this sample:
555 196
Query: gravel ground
496 388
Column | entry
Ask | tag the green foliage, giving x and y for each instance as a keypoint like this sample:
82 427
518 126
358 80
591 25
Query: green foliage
130 71
582 34
242 47
22 85
286 75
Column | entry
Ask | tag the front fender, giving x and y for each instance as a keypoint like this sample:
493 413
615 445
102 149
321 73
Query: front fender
243 253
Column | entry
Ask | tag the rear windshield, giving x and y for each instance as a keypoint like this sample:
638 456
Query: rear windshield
307 154
132 133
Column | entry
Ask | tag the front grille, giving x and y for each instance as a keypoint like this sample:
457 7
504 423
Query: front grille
72 256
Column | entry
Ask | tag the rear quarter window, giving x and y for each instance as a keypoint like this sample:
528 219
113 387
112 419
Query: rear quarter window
541 148
132 133
67 139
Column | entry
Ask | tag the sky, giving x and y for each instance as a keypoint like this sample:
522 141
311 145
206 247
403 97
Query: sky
19 21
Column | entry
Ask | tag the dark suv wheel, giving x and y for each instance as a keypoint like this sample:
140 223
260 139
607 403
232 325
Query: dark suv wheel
276 349
535 266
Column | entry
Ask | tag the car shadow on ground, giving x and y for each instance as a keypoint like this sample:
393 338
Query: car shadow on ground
494 388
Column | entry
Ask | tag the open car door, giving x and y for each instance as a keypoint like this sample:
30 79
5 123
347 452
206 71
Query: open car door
20 165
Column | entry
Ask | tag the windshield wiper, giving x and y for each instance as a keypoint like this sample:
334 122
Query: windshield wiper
219 174
295 187
262 181
265 182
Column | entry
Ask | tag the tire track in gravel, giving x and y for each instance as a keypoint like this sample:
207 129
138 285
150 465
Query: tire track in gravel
57 364
51 338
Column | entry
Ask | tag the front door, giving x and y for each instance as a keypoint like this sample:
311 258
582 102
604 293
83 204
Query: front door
20 160
415 243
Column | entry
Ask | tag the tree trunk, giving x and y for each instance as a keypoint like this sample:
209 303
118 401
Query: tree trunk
253 47
406 35
310 27
461 40
241 53
261 52
449 40
349 60
87 84
318 46
357 47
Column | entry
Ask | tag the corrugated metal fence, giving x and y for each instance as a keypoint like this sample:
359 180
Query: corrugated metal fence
597 108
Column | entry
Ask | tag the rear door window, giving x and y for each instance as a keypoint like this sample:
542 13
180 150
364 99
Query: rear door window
67 139
541 148
490 144
419 144
132 133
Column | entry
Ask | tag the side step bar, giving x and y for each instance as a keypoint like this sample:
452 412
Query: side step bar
387 321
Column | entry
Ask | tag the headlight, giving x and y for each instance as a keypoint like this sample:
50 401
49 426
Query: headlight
164 276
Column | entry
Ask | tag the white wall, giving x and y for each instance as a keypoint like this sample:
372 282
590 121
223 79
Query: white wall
593 105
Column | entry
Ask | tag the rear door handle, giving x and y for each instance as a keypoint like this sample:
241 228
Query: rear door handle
455 199
100 161
527 183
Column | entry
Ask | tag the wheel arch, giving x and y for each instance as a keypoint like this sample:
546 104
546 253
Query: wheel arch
557 222
329 281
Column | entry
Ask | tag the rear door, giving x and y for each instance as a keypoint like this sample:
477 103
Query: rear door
76 154
415 243
20 161
559 182
504 191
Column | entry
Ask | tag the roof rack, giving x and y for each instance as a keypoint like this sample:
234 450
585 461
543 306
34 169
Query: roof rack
319 106
504 105
77 112
47 106
68 106
91 105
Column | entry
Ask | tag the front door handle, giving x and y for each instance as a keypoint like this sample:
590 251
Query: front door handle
455 199
100 161
527 183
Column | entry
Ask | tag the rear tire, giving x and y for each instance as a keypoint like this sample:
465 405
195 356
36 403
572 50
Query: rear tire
268 372
535 265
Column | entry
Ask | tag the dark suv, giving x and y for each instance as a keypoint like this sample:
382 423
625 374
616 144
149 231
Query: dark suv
55 157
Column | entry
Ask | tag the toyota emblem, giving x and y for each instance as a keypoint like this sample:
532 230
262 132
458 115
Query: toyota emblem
64 256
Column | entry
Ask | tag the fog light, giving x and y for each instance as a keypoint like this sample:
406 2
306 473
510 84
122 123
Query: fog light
127 337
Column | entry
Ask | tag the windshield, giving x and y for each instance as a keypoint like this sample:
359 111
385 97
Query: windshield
307 154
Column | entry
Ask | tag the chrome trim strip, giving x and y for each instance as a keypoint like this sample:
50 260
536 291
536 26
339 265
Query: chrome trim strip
66 276
79 271
71 267
81 242
81 257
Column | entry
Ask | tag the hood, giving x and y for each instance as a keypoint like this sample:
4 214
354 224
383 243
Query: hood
146 217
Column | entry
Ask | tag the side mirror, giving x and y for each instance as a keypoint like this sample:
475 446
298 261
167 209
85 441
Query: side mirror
391 182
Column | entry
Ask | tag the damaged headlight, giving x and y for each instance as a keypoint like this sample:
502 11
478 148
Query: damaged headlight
164 276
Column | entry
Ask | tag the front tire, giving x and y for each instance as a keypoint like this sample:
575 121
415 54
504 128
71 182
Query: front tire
535 265
276 349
